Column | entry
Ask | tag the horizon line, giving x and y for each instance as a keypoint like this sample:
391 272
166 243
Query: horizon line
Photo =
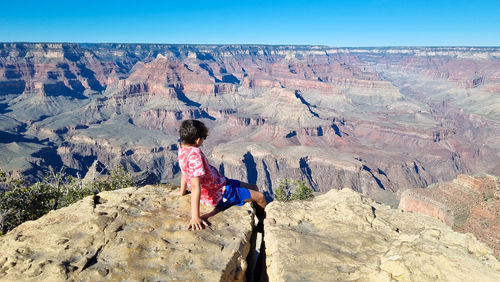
252 44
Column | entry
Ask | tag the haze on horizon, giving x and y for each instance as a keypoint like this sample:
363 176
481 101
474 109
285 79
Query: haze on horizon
363 23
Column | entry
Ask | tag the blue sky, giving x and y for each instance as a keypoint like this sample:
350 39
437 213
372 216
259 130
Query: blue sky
334 23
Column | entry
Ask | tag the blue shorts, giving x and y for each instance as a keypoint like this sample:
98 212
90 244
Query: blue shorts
234 194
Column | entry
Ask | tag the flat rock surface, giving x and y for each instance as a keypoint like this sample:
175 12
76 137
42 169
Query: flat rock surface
342 236
134 234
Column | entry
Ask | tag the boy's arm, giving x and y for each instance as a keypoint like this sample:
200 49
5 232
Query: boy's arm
196 223
182 190
183 185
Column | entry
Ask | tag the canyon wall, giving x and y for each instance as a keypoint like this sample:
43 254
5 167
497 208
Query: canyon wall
373 119
467 204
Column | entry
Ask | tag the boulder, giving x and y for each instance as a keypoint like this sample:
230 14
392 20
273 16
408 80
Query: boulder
134 234
341 235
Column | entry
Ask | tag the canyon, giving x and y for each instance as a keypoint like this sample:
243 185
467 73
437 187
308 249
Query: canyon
376 120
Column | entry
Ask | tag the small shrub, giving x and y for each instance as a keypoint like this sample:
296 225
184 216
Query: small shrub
73 191
23 201
282 193
302 191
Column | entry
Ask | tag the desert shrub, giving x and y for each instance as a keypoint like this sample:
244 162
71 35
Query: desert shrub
302 191
118 178
282 193
24 201
74 190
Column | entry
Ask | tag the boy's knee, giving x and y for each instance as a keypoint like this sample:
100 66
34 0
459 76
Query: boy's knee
261 197
257 196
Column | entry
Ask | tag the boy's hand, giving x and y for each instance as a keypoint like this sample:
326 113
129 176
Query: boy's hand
197 223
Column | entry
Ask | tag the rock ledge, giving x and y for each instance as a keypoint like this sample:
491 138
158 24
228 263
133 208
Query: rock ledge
134 234
343 236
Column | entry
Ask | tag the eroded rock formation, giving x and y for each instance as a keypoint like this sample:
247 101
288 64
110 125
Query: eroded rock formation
467 204
130 234
371 119
344 236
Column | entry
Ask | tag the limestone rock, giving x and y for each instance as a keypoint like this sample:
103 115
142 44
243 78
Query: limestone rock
467 204
133 234
343 236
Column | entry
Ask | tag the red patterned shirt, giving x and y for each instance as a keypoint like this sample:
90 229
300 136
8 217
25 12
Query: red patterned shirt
193 163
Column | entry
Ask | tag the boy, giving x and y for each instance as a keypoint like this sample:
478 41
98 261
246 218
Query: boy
207 185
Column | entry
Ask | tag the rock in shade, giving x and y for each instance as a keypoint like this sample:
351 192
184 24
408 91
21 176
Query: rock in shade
343 236
133 234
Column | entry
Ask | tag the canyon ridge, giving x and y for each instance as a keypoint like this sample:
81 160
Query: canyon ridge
376 120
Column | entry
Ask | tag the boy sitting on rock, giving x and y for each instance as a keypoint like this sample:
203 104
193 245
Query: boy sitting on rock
206 184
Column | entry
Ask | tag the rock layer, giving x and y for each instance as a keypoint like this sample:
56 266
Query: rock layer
129 234
343 236
382 118
467 204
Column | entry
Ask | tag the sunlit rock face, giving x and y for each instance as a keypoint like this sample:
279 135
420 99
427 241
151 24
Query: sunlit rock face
129 234
343 236
141 234
372 119
467 204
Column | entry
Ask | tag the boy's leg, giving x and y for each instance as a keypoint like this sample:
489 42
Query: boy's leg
249 186
258 198
255 195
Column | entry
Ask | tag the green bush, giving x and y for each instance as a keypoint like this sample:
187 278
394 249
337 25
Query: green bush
282 193
302 191
23 201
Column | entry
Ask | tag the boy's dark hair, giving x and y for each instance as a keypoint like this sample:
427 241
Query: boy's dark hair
191 130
